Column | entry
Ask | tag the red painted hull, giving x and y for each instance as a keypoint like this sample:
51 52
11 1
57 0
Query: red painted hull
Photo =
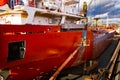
3 2
46 48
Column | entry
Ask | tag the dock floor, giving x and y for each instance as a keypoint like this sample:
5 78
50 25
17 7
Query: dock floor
77 73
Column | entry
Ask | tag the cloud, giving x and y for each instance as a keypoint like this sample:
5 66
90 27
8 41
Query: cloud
115 13
112 20
102 8
117 5
102 15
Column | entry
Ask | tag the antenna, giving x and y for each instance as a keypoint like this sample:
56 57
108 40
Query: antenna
107 21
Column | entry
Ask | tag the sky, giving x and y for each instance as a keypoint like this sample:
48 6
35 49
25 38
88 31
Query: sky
104 9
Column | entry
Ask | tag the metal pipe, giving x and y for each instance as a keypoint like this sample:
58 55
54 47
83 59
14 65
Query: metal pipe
106 73
53 77
113 60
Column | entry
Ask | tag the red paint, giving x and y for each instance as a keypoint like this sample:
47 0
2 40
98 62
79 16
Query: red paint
46 49
13 73
3 2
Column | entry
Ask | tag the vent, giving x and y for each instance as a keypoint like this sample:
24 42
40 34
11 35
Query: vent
16 50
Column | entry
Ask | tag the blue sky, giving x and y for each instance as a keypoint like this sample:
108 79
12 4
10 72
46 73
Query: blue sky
104 9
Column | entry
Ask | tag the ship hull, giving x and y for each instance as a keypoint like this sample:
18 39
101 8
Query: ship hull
101 41
3 2
30 50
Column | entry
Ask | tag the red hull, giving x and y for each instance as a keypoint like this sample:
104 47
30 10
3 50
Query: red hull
3 2
46 48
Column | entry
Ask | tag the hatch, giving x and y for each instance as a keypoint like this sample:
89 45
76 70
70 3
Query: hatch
16 50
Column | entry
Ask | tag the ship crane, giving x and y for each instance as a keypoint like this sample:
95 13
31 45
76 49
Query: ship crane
85 8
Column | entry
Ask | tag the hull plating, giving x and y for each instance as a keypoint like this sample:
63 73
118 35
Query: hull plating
45 49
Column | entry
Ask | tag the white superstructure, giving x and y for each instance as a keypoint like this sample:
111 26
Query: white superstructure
44 12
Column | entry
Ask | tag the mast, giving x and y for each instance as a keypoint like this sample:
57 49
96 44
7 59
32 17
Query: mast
62 5
107 21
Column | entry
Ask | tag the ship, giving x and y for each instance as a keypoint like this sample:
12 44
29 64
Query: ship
38 36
